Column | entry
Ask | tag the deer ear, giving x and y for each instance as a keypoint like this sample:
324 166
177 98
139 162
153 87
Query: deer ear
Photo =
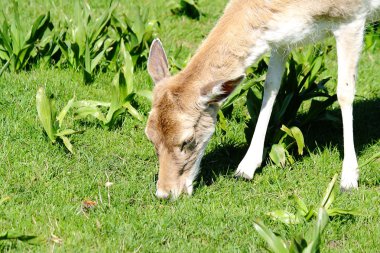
158 67
217 92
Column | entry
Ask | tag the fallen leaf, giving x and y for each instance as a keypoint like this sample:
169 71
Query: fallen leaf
88 204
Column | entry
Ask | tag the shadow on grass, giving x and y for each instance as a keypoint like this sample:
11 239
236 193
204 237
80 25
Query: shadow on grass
225 159
366 128
221 161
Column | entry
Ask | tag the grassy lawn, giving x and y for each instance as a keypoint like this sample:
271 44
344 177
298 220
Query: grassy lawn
47 185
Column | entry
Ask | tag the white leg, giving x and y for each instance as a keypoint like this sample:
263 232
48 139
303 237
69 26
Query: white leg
254 156
349 40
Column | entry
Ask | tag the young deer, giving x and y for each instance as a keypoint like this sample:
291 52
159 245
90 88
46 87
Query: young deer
185 105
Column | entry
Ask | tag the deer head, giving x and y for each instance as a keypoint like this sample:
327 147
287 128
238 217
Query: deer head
182 121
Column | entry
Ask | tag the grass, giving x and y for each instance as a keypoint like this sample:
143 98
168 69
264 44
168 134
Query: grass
47 185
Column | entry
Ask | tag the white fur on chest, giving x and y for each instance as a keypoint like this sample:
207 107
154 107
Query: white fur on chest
295 31
287 34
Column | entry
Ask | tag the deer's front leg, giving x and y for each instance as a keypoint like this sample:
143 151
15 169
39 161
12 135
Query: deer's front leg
254 156
349 39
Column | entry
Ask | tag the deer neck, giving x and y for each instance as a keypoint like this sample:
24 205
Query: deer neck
232 46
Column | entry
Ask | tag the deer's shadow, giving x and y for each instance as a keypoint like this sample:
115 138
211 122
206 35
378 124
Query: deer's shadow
225 159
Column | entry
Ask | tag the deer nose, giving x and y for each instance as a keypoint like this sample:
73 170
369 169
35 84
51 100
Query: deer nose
162 194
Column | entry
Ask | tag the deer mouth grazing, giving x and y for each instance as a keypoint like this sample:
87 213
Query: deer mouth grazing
177 177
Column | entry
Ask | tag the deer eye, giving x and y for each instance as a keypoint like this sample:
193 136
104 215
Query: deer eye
188 144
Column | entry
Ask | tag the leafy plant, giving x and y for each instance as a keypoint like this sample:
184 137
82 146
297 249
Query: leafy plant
298 244
122 96
17 46
305 213
137 31
186 7
300 91
90 43
52 123
279 153
85 41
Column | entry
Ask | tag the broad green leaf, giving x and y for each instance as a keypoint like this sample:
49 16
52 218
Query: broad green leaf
297 244
23 57
64 111
295 133
79 31
46 113
338 211
322 220
371 159
131 110
150 28
16 30
276 244
5 37
136 22
277 154
302 208
4 67
316 67
304 83
39 27
64 49
286 130
145 93
90 103
95 62
222 121
101 23
67 144
126 67
113 115
67 132
3 52
237 93
87 58
329 195
118 93
310 214
83 112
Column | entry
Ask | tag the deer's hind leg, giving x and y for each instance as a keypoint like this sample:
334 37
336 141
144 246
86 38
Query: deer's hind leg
349 40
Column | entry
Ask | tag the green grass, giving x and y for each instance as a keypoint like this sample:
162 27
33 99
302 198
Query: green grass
47 185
